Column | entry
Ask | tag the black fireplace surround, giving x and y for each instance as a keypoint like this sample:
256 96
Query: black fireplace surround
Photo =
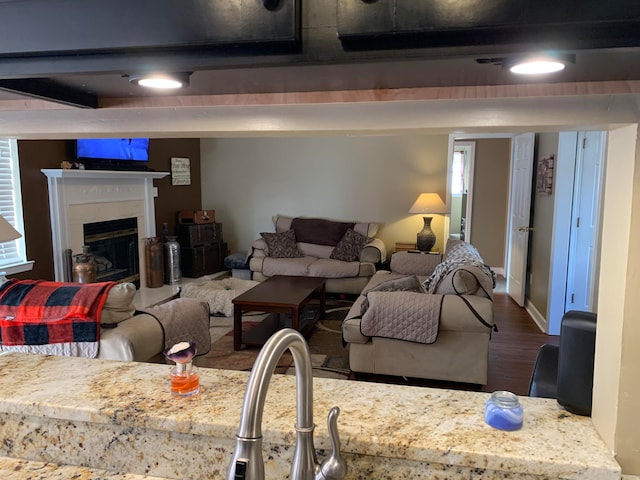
114 245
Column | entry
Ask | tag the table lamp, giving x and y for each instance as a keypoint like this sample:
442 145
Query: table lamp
427 203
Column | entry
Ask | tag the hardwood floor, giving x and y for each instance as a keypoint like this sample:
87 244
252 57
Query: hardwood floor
514 347
512 352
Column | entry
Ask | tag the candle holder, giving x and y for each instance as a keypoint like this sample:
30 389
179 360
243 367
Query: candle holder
185 381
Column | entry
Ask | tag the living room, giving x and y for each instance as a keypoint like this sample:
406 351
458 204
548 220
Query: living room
373 104
276 155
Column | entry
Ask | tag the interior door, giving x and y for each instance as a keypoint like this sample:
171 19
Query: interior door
584 240
519 215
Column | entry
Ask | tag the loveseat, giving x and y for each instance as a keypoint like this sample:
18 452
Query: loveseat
345 253
430 317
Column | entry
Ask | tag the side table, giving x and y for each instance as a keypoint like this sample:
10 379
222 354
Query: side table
403 247
406 247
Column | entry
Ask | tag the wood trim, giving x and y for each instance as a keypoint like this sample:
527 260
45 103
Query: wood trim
381 95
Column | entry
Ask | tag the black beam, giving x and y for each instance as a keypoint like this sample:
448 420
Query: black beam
557 24
46 89
73 27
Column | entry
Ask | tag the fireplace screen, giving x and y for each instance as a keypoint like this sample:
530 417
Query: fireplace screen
114 244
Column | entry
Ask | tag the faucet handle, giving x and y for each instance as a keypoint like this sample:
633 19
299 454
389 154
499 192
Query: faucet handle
334 467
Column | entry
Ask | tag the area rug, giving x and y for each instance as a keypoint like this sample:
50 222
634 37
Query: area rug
328 355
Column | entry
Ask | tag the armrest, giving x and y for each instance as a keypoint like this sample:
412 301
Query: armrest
259 248
374 252
408 263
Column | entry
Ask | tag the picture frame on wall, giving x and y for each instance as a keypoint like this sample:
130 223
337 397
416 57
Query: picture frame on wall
544 180
180 171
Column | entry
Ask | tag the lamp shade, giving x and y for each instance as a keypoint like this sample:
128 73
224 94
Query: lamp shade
429 203
7 232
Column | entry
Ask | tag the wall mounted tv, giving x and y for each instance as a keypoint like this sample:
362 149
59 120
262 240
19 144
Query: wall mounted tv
113 153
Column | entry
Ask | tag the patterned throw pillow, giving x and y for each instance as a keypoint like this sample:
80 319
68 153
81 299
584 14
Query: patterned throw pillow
281 245
349 246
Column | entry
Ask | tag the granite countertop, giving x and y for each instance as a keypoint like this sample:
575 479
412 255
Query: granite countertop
435 426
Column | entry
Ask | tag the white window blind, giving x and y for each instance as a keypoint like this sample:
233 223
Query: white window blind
12 252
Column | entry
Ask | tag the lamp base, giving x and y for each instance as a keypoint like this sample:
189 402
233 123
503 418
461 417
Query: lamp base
426 239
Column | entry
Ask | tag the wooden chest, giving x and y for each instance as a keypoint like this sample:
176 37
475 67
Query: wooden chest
196 235
203 260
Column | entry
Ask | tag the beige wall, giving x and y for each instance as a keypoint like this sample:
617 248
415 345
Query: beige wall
542 222
491 199
363 178
616 389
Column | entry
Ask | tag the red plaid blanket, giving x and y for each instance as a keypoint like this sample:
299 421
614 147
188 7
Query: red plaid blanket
38 312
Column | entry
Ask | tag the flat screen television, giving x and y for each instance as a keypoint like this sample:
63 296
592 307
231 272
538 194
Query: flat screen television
113 153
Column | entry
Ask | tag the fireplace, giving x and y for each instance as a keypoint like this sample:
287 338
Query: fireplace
86 197
114 246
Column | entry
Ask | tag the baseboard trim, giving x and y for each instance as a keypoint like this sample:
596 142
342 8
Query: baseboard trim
498 270
537 317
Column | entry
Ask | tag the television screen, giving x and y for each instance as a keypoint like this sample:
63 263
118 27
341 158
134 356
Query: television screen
136 149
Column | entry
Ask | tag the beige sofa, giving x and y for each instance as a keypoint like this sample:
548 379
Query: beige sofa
130 335
141 336
460 350
316 242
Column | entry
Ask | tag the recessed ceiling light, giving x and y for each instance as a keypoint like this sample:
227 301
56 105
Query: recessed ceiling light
161 80
537 66
533 64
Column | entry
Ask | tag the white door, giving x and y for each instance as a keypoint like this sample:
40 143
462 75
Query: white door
585 223
519 212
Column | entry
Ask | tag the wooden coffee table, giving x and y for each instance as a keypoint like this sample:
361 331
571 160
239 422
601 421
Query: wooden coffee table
277 294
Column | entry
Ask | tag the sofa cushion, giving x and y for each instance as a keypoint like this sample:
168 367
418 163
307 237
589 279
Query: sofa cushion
329 268
281 245
296 267
119 304
349 247
313 250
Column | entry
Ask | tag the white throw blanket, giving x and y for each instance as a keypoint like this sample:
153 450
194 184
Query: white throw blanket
217 293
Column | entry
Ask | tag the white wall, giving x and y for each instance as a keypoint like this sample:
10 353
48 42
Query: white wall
350 178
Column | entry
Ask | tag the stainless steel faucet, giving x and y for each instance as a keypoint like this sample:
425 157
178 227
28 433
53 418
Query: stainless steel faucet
247 462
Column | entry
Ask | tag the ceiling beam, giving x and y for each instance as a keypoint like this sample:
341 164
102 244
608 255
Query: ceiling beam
46 89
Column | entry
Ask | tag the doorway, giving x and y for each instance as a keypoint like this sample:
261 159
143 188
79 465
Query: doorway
461 186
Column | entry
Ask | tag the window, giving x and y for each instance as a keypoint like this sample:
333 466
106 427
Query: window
13 258
457 173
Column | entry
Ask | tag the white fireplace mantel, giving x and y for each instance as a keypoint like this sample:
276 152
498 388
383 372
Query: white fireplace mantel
85 196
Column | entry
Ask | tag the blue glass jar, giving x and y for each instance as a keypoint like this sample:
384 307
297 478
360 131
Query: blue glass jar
503 411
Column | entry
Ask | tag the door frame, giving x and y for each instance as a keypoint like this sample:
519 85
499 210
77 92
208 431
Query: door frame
455 137
568 151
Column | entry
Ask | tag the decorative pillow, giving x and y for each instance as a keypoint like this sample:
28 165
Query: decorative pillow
119 304
349 247
404 284
281 245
